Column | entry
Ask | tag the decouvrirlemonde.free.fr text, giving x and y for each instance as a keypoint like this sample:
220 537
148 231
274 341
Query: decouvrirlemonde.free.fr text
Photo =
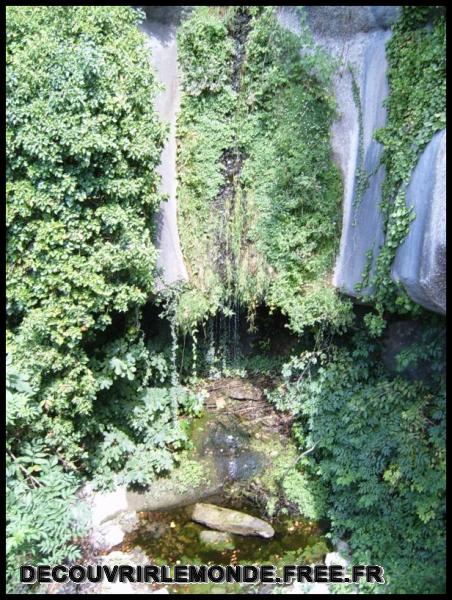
201 574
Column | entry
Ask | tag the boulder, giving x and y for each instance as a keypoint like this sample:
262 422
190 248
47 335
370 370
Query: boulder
233 521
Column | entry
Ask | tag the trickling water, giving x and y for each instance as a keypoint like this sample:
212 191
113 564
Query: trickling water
236 329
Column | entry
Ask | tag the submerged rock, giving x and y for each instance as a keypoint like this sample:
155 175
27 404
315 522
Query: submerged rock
228 445
233 521
218 540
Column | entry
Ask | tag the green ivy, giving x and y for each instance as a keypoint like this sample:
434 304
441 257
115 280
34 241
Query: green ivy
83 143
83 146
258 193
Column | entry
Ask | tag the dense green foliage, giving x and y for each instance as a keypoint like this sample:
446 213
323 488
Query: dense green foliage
91 393
42 515
83 142
259 195
377 443
416 107
81 195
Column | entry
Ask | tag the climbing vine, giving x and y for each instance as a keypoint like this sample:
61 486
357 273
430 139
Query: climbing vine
88 396
259 195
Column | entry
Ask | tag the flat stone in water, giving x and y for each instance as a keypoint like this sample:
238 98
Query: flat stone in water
233 521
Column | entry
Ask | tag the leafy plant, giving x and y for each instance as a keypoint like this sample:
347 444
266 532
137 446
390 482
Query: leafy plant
259 195
44 522
375 443
83 144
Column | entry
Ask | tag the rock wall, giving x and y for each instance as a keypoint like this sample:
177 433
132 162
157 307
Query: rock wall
160 31
362 227
355 37
420 262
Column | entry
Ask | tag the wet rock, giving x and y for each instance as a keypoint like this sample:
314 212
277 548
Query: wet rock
233 521
228 436
111 533
420 262
240 389
229 445
107 508
219 540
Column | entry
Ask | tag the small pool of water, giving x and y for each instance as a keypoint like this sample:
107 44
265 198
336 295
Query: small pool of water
171 537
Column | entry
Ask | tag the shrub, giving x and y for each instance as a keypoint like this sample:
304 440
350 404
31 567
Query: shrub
83 144
376 443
